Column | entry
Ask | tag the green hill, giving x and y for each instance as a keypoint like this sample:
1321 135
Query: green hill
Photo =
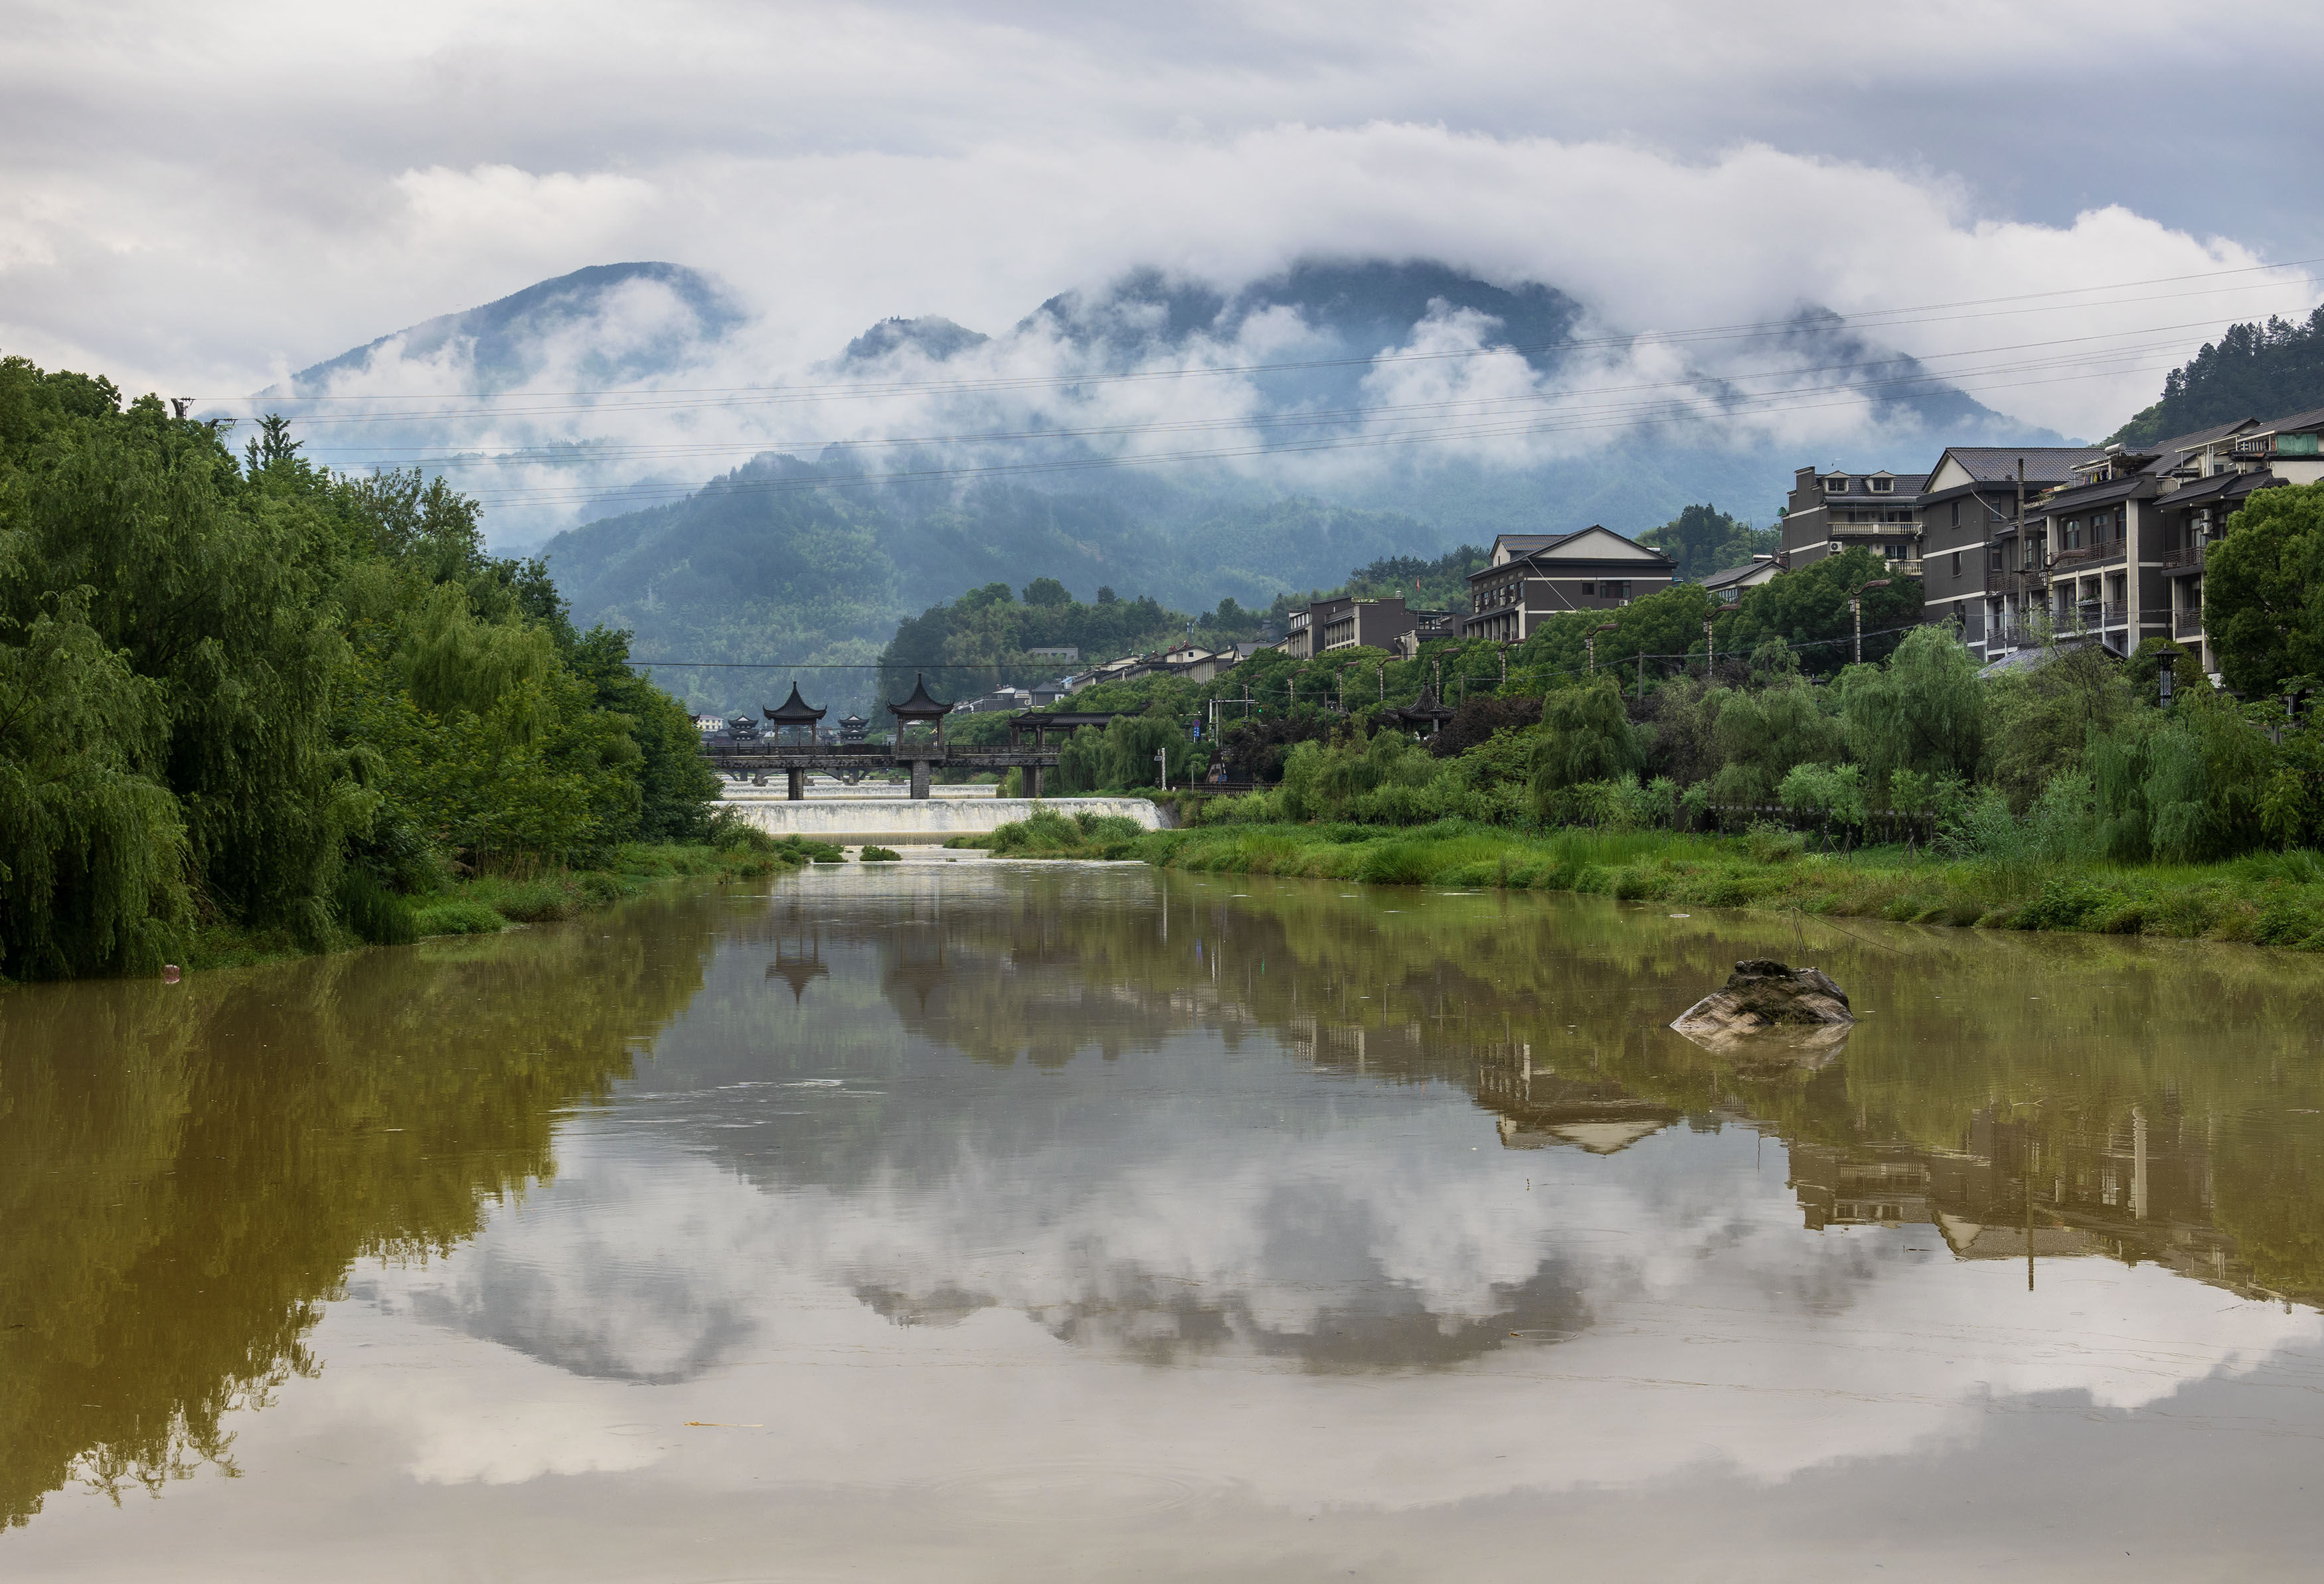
2254 371
786 563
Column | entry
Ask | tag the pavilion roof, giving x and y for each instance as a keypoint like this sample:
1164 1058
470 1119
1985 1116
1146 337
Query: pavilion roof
794 711
920 706
1427 707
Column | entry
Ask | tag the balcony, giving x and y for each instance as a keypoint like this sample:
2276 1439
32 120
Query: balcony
2185 559
2187 623
2016 583
2087 556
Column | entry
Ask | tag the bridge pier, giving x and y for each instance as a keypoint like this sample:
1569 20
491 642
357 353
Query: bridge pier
796 785
919 778
1034 789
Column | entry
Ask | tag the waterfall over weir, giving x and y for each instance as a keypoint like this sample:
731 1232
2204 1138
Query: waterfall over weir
845 817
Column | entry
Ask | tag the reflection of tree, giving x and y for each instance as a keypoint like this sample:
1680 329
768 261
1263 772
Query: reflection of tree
186 1172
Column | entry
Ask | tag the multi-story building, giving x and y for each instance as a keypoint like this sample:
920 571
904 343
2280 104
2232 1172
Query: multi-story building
2116 552
1829 512
2212 486
1531 577
1344 621
1970 496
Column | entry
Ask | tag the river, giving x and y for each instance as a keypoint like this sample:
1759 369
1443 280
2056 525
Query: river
965 1219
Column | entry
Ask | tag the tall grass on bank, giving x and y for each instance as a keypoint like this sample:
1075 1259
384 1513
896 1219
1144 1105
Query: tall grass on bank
488 904
2269 898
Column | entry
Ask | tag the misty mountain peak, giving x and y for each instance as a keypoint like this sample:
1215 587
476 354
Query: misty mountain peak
1367 306
607 324
932 334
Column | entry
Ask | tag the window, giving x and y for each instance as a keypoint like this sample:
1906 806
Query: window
1835 485
1956 513
1956 557
1589 588
2073 539
1883 486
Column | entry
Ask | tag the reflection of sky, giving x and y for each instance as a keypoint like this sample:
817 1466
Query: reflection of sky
1216 1315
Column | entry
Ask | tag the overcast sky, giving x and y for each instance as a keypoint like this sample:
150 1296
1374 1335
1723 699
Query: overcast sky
200 198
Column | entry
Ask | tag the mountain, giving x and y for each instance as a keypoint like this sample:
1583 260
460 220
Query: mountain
785 560
2254 371
1163 436
608 325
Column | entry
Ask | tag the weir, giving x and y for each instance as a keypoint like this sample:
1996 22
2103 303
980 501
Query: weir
891 821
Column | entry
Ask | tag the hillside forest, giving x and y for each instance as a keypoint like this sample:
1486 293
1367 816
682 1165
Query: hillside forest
2253 371
982 639
247 693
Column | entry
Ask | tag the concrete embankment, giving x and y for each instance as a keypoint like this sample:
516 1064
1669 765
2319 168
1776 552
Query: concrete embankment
849 818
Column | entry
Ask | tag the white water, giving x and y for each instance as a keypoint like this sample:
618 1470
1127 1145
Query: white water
850 817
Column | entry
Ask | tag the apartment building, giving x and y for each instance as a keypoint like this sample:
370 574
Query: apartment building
1531 577
1829 512
1970 496
1346 623
2117 551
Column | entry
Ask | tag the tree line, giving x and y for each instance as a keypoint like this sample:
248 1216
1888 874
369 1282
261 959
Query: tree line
249 692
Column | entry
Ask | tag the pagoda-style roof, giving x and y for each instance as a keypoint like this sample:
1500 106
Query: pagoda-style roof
1427 708
920 706
794 711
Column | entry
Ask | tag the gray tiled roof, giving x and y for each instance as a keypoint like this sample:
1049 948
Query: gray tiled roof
2097 494
2312 419
2189 442
2044 464
1733 575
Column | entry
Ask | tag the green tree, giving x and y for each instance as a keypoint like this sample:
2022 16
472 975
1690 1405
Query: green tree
1923 712
2040 720
1764 735
92 847
1703 540
1586 736
1807 609
2263 590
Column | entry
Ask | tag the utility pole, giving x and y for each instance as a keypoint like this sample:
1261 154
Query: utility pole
1591 643
1710 655
1856 608
1162 757
1642 675
2024 562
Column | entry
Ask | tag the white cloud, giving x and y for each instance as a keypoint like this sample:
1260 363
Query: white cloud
199 201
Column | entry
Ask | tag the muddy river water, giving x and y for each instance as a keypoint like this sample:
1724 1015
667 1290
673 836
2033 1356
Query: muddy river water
975 1221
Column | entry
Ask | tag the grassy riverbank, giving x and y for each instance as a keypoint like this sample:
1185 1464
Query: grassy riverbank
488 904
2272 898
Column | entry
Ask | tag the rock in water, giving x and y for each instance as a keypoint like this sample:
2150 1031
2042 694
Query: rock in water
1764 994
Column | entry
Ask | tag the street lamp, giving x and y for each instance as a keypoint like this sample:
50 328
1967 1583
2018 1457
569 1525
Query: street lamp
1855 610
1590 642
